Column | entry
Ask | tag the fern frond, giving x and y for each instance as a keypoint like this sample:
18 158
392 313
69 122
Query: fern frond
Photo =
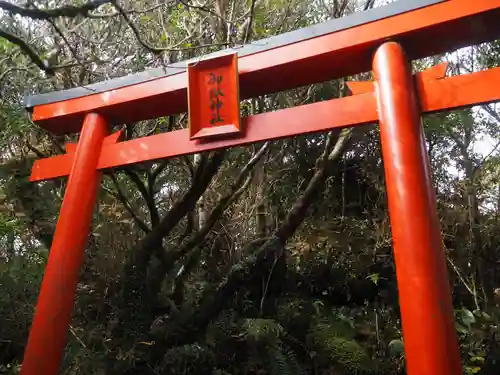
222 329
283 360
335 345
261 330
188 360
273 359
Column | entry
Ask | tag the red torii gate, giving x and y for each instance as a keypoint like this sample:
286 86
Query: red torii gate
384 39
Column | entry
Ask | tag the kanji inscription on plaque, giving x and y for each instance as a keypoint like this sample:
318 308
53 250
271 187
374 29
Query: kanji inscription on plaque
213 97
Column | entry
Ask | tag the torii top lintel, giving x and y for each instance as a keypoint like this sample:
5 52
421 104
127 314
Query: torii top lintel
333 49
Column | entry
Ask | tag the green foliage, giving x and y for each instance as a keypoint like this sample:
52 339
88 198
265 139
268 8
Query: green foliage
280 360
396 348
261 331
20 279
479 336
8 225
330 308
334 342
188 360
13 123
222 329
466 317
220 372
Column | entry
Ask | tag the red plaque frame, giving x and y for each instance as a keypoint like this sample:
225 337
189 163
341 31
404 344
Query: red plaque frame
213 97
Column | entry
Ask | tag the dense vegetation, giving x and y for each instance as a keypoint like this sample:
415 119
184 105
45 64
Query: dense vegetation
270 259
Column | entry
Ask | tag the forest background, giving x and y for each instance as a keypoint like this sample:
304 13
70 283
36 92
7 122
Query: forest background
270 259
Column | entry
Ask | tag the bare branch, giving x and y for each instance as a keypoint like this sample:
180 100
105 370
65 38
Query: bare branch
187 203
149 47
7 72
255 158
342 8
121 196
148 198
135 270
135 30
35 58
299 208
490 111
33 149
369 4
250 21
69 11
200 235
461 145
485 158
153 175
130 11
203 9
236 190
71 49
189 165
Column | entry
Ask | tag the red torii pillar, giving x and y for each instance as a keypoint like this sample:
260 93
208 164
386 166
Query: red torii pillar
47 337
424 293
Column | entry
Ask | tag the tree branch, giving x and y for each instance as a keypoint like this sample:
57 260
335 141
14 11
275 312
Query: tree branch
36 151
250 21
195 240
461 145
121 196
131 11
369 4
236 190
299 208
149 199
491 112
135 30
155 173
186 204
485 158
7 72
213 302
35 58
149 47
71 49
69 11
203 9
134 286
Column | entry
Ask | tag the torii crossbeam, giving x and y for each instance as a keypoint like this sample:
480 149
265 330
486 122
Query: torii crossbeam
384 40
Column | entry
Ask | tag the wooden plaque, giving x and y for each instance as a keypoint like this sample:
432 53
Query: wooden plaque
213 97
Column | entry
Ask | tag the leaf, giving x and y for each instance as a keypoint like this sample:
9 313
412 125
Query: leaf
477 359
318 305
374 277
396 348
472 370
467 317
262 329
144 18
486 316
461 329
